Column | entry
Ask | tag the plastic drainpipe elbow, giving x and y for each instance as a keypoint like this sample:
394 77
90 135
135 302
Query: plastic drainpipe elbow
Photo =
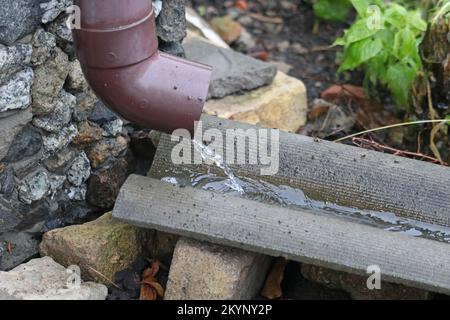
117 47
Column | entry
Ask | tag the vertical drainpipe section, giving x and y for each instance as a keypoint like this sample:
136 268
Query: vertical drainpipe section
117 47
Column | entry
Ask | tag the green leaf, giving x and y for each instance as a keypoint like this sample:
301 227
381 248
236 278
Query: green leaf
448 118
359 31
360 6
334 10
400 79
359 52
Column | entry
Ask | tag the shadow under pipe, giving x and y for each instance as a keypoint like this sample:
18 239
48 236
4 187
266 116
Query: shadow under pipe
117 47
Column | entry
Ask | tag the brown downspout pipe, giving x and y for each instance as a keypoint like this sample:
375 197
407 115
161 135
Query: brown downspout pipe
117 47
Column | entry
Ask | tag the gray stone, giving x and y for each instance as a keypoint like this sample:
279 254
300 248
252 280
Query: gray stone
58 162
75 79
34 188
174 48
27 143
16 93
18 18
233 71
203 271
7 183
48 82
76 193
113 128
44 279
60 29
56 183
39 185
61 115
101 114
171 21
57 141
8 218
80 170
53 8
85 105
9 127
13 59
23 247
44 44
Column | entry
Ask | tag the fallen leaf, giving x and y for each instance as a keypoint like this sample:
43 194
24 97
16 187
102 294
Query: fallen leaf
148 293
341 93
272 287
156 286
152 271
260 55
241 4
150 287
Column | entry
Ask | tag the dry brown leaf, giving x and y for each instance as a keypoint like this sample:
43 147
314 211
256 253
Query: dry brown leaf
152 271
156 286
148 293
150 288
241 4
272 287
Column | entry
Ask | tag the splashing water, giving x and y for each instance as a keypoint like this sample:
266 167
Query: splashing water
209 154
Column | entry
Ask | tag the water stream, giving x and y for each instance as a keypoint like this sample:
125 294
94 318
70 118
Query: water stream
287 196
209 155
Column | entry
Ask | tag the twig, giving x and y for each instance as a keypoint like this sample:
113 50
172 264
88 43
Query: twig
105 277
390 127
382 147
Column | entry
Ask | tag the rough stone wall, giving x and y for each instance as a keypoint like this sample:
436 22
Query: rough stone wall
63 155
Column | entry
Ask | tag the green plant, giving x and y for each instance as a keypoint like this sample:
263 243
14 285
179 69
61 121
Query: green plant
334 10
385 41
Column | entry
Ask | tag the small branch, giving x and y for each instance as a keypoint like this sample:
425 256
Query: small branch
369 143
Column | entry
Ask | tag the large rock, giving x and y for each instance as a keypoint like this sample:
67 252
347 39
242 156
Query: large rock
104 185
7 184
27 143
39 185
356 285
44 46
75 79
80 170
13 59
233 72
16 92
282 105
44 279
202 271
57 141
53 8
48 81
9 127
101 248
18 18
106 149
171 21
61 115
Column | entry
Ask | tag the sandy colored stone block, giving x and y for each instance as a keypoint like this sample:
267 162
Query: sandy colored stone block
103 246
282 105
202 271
